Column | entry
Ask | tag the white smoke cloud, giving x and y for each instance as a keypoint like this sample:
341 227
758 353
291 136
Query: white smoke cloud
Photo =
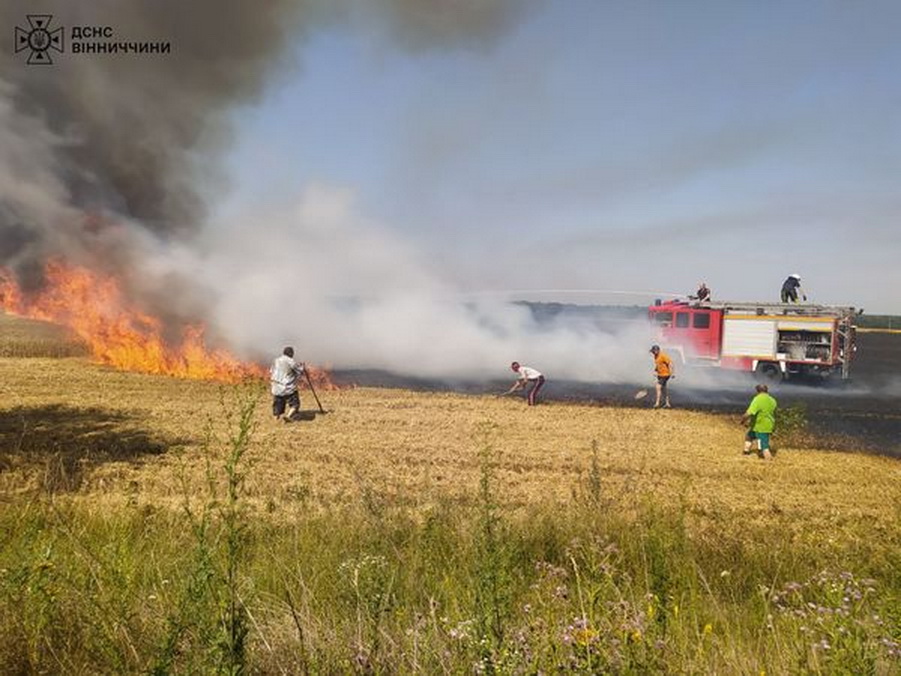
348 292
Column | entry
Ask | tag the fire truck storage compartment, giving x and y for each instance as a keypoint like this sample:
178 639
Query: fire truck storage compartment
808 341
749 338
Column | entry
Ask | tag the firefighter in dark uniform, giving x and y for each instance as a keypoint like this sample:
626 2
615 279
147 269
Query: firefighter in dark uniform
791 287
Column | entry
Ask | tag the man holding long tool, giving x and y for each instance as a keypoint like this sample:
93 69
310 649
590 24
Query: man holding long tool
283 376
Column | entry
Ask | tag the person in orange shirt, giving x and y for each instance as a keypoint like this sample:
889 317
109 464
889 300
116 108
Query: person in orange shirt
663 369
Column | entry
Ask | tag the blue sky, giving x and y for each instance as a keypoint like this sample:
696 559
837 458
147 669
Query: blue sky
637 146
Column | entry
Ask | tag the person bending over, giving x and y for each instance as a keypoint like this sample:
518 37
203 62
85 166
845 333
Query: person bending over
791 287
528 378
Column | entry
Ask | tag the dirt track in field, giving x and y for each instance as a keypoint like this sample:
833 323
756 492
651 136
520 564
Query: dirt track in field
863 414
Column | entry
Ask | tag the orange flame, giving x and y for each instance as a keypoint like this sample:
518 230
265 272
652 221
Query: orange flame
93 306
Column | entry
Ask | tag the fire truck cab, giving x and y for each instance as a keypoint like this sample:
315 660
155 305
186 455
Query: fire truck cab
777 340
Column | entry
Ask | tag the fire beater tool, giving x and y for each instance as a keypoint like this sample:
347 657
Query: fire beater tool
313 390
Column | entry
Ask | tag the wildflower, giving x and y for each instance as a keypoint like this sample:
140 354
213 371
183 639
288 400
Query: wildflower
636 636
584 637
708 629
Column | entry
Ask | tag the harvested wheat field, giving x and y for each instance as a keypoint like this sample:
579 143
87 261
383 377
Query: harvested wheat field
128 437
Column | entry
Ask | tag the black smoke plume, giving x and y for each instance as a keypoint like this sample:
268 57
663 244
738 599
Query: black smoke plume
104 153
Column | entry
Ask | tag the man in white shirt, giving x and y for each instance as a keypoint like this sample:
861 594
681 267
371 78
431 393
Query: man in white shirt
283 377
527 377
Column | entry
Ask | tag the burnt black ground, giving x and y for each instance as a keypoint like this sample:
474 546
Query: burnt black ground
863 414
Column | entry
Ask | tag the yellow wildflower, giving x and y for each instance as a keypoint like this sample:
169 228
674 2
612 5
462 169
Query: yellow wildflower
584 636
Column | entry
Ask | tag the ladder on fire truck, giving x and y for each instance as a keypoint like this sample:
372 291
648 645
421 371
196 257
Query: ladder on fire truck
786 309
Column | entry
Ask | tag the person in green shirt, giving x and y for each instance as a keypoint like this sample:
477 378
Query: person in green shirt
761 415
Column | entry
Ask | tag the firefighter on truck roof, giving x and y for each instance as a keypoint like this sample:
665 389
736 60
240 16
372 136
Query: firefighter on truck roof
791 287
702 295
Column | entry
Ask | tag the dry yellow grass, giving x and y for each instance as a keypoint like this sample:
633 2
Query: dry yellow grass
24 337
411 449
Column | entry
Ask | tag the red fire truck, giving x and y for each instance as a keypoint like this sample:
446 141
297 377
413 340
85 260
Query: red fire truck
776 340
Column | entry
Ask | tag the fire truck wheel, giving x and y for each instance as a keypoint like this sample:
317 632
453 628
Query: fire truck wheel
769 372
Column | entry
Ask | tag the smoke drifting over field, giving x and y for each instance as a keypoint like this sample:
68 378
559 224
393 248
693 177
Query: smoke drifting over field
108 161
347 292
